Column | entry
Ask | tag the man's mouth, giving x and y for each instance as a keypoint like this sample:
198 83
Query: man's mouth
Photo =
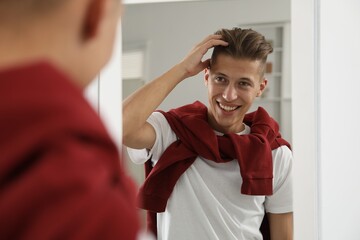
227 108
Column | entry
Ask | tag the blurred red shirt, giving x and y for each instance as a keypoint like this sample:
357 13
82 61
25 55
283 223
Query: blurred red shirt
60 173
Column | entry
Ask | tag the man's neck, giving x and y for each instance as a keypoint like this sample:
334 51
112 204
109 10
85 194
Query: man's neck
223 129
17 51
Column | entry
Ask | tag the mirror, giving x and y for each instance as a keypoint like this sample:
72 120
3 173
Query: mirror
156 36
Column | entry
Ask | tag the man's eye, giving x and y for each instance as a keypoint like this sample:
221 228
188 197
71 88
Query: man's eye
244 84
219 79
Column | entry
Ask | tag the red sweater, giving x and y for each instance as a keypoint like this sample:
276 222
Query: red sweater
60 174
197 138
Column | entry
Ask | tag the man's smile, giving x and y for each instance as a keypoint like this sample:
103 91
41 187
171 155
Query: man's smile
227 108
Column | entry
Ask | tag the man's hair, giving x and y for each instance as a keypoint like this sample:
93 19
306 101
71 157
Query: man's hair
243 44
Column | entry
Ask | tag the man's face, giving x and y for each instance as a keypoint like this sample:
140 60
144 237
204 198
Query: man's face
233 84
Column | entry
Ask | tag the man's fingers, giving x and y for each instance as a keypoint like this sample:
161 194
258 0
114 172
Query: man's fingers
212 36
192 63
215 42
209 42
205 64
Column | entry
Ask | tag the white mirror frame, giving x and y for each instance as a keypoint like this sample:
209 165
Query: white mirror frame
326 116
304 108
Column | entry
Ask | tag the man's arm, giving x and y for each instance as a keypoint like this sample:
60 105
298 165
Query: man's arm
137 133
281 226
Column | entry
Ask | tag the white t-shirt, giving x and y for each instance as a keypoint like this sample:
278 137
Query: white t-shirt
206 202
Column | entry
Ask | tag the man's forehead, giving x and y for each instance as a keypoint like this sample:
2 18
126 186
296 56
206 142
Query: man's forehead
228 62
236 68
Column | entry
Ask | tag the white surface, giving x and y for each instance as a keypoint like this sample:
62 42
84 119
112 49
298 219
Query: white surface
339 122
304 119
110 98
326 118
104 93
91 93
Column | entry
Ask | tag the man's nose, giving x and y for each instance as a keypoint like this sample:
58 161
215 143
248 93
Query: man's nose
229 93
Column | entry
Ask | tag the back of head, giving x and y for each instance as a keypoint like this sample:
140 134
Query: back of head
66 33
243 44
23 9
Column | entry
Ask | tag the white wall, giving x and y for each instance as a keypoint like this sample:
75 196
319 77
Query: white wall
339 119
326 117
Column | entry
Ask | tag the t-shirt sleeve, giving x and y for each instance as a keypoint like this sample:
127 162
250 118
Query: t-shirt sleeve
282 199
164 137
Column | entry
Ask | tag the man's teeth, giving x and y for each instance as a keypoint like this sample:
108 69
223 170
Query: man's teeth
227 108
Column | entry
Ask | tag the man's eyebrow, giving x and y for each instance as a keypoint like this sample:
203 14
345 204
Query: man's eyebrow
221 74
246 79
226 76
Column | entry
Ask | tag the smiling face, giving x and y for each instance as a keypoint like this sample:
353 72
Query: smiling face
233 84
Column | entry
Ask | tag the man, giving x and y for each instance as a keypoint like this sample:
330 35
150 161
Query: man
215 170
60 174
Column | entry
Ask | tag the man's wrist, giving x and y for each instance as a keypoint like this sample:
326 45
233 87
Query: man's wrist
180 72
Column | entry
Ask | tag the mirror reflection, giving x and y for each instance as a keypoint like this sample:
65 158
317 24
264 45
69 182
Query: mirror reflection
158 36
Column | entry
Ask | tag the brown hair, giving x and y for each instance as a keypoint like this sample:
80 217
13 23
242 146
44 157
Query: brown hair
243 44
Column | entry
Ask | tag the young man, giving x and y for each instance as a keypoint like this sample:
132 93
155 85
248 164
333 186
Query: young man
215 170
60 174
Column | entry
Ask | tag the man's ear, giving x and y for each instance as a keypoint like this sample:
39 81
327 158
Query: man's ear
92 18
206 75
262 87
